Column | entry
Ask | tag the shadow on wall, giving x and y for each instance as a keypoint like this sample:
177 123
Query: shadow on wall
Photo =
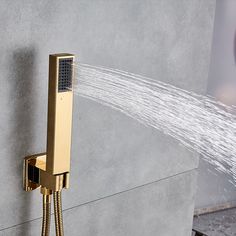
235 47
225 85
23 105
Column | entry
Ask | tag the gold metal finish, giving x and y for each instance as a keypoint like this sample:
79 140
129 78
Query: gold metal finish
30 174
50 170
45 191
35 175
59 120
46 215
58 213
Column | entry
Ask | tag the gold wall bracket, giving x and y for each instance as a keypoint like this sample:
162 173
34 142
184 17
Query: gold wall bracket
35 175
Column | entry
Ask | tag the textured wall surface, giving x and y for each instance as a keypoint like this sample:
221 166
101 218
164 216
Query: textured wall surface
139 211
167 40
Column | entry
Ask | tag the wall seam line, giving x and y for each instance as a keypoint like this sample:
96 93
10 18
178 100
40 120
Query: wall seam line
102 198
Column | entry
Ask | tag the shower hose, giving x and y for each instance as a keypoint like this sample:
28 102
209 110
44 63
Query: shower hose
46 215
57 213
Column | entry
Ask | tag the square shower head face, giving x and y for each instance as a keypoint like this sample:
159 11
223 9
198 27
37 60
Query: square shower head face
65 74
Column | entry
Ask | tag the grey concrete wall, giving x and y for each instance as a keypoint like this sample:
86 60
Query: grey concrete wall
135 212
217 190
167 40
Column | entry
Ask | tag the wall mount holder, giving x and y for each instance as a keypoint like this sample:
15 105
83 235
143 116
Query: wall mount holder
35 175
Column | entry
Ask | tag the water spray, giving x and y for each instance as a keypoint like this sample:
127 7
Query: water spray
200 123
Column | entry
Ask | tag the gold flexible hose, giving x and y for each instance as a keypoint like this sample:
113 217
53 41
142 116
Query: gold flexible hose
58 213
46 215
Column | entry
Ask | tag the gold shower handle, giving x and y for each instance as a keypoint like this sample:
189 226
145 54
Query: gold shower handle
50 170
60 102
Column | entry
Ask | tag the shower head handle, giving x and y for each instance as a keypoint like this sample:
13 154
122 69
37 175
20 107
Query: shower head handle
60 102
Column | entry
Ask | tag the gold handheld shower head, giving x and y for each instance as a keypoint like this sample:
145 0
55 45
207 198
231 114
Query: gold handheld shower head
50 170
60 99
